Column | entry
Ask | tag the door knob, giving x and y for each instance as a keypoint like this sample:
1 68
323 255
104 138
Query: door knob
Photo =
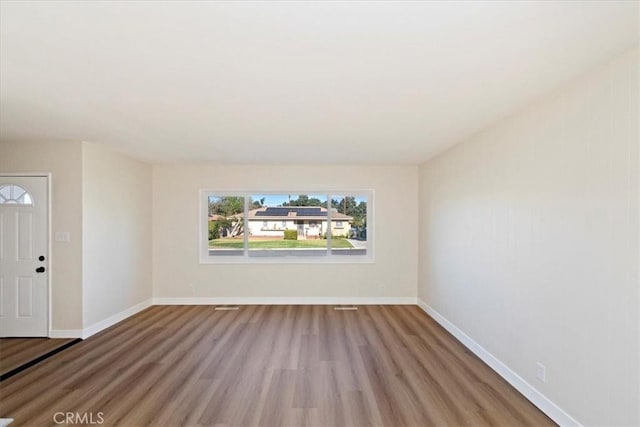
40 270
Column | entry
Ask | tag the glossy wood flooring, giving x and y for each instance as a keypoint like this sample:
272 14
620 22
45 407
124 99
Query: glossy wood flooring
15 352
269 366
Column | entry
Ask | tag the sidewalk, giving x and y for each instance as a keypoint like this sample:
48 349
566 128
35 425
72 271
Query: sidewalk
358 244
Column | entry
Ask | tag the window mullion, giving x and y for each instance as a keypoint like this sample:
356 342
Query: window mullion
329 225
245 226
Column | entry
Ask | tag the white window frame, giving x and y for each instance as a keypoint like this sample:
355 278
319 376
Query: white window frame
328 258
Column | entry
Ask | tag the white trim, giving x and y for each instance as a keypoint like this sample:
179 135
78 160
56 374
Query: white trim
543 403
552 410
307 259
118 317
50 252
286 301
112 320
65 333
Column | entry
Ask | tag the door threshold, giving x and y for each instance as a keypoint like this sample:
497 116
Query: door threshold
38 359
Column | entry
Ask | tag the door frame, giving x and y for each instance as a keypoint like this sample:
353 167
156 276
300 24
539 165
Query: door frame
46 175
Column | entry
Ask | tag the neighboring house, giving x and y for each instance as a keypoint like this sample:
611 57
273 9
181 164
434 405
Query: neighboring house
310 221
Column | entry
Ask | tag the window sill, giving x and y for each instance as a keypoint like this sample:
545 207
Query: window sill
275 258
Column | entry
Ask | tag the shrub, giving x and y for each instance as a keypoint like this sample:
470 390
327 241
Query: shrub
214 230
335 236
290 234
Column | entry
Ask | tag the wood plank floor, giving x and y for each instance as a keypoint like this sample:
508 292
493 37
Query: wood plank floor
269 366
15 352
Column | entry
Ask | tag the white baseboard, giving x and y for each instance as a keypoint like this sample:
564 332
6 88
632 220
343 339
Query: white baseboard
118 317
112 320
552 410
65 333
287 301
543 403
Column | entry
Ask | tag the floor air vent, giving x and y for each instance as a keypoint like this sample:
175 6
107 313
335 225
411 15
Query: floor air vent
346 308
226 308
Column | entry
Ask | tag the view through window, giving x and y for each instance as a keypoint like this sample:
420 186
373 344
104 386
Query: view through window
287 225
225 225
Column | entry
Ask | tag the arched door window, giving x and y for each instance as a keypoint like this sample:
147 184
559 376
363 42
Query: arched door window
14 195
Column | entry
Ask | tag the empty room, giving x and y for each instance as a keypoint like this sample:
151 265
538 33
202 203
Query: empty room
320 213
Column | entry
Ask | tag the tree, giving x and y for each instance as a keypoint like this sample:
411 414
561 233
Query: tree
226 206
257 203
349 206
219 228
304 200
360 215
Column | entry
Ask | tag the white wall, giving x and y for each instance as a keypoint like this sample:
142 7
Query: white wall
529 243
176 268
117 233
64 161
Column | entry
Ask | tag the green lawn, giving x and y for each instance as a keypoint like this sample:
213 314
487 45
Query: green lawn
277 244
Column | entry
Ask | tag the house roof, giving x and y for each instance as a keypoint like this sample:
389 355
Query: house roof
282 213
215 217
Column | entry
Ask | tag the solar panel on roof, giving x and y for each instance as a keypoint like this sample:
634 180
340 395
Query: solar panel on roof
309 212
284 211
273 212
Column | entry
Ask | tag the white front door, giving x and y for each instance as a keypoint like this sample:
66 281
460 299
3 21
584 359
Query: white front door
24 258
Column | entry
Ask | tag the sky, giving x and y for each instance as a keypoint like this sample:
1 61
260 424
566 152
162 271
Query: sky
279 199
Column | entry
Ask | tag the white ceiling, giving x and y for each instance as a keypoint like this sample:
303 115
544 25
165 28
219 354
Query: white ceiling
290 82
